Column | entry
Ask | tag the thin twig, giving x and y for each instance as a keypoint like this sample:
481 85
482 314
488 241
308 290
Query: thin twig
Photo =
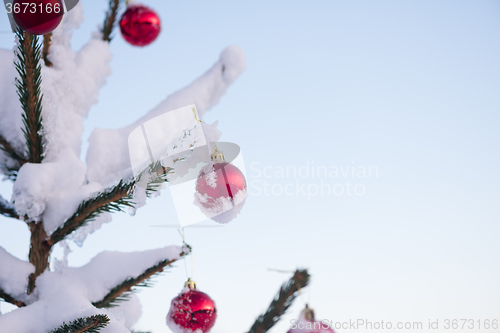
47 38
9 299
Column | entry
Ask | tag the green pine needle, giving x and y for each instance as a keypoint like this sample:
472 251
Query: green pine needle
122 291
113 199
28 86
114 7
92 324
281 302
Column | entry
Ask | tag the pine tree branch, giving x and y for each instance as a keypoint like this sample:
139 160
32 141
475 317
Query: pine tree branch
7 209
9 299
281 302
110 20
119 293
111 200
47 38
28 89
92 324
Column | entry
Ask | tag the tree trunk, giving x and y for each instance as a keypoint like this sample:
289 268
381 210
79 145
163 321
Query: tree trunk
39 252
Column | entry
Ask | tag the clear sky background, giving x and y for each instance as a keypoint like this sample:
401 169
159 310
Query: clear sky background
409 87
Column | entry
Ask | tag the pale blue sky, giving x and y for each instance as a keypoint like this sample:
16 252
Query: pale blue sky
410 87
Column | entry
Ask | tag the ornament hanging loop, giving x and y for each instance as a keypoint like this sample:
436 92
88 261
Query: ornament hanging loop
217 156
308 313
190 284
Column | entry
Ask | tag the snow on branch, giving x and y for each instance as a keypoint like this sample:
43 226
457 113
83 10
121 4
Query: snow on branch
113 199
111 274
281 302
110 20
12 142
7 209
119 293
109 200
70 87
11 152
28 89
90 324
13 277
108 156
69 293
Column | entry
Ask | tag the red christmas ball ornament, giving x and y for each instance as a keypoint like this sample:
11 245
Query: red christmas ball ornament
307 323
38 17
221 189
192 311
140 25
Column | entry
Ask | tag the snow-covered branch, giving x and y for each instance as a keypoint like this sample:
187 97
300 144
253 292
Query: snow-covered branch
118 293
12 142
109 274
11 152
109 200
112 199
109 162
7 209
68 294
57 193
13 277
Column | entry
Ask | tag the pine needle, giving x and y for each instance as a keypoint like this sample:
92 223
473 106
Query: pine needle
110 20
281 302
120 292
92 324
28 89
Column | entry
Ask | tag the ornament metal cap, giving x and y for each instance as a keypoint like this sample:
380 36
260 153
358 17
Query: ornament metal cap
190 284
308 313
217 155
